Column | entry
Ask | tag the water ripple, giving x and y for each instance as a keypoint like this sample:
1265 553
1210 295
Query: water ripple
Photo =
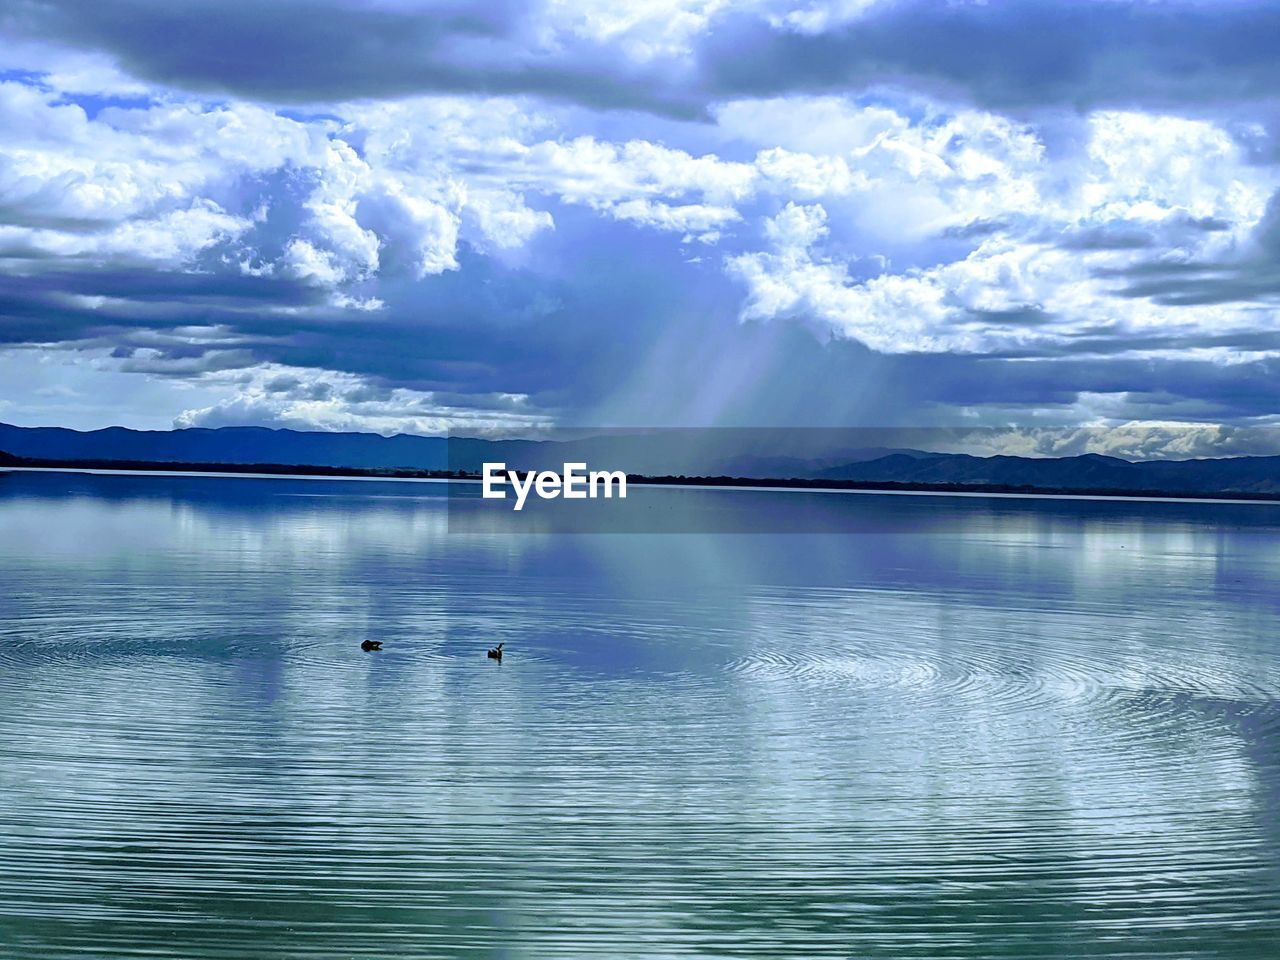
968 748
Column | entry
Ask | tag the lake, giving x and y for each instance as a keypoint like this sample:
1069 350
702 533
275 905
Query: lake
924 727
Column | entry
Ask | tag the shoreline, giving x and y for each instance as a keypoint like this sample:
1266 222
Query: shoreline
738 484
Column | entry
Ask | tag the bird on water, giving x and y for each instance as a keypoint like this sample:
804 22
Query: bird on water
368 645
495 653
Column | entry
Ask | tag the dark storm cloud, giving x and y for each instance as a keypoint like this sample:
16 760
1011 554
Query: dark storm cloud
1193 284
608 321
185 367
1176 230
304 51
657 344
1018 53
1252 275
77 302
782 375
146 284
1199 390
564 336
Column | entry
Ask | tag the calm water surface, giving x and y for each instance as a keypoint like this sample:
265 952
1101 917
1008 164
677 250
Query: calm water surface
987 728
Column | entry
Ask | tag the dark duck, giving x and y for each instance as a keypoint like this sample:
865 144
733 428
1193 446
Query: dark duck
371 645
495 653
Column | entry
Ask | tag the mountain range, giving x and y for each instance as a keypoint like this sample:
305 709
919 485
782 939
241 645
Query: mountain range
692 452
689 453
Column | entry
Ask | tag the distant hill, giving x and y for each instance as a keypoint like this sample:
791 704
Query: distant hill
1088 472
227 445
755 465
688 453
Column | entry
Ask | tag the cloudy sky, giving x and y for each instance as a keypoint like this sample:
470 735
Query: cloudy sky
401 216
